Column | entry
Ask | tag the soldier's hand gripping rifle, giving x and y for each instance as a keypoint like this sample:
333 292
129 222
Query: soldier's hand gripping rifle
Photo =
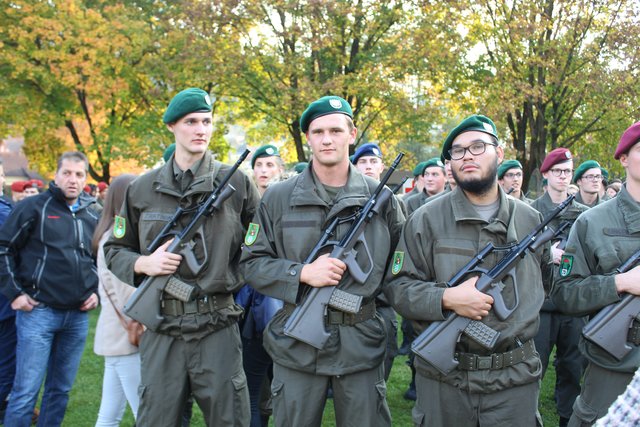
144 304
307 321
436 344
609 329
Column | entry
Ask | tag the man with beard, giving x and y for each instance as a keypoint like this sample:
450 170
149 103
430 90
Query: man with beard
496 387
557 329
510 179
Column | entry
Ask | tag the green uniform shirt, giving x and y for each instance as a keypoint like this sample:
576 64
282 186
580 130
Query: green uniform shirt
291 218
544 205
437 241
601 239
150 202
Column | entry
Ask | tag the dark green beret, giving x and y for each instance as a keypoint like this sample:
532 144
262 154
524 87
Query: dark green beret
605 173
589 164
476 122
168 152
188 101
264 151
435 161
299 167
506 165
322 107
417 171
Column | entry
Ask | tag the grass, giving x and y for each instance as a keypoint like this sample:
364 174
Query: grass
85 396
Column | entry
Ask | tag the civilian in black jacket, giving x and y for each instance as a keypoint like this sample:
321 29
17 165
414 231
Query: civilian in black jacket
47 271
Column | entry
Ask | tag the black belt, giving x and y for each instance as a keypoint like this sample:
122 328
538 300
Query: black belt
205 304
634 333
336 317
474 362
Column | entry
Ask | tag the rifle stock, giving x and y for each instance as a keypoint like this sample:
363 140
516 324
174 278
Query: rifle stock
436 344
610 327
144 303
307 321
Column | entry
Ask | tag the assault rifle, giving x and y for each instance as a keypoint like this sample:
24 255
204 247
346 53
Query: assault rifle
609 328
436 344
306 323
144 304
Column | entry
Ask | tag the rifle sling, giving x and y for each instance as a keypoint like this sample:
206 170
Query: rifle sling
474 362
206 304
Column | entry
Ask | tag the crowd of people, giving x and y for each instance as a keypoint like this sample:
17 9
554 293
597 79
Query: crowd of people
218 326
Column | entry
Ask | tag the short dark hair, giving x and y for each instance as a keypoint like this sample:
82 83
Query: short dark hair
76 156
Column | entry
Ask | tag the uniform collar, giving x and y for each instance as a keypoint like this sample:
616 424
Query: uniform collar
463 210
629 208
203 180
307 188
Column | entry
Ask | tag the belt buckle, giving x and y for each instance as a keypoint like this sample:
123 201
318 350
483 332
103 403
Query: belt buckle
484 362
190 307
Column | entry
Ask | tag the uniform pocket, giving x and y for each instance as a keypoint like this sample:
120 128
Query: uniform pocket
241 396
279 403
418 417
381 390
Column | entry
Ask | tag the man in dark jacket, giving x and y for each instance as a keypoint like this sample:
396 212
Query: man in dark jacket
47 272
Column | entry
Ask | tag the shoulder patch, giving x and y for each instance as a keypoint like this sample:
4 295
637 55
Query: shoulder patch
119 227
566 264
398 260
252 234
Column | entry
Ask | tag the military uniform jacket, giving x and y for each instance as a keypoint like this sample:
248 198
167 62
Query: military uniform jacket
544 205
601 239
151 201
437 241
291 218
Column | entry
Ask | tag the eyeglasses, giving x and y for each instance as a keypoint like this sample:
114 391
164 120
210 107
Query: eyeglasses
511 175
475 149
592 177
558 172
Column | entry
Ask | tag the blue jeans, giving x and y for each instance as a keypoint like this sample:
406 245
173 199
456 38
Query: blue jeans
50 342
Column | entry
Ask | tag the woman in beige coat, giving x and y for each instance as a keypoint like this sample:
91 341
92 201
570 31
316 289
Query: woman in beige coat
121 359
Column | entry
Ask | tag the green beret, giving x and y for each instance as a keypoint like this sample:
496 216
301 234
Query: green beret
476 122
168 152
264 151
605 173
506 165
589 164
435 161
322 107
419 169
299 167
188 101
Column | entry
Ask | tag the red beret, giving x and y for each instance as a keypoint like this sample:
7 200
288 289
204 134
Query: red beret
102 186
87 189
559 155
34 183
18 186
628 139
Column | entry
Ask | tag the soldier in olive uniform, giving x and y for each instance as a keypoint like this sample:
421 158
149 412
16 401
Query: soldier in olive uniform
510 179
602 239
496 387
557 329
290 220
196 349
434 179
588 178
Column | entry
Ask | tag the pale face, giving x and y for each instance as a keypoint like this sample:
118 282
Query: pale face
512 179
560 183
631 163
265 170
370 166
591 181
476 172
434 180
71 178
449 175
30 191
192 133
329 138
